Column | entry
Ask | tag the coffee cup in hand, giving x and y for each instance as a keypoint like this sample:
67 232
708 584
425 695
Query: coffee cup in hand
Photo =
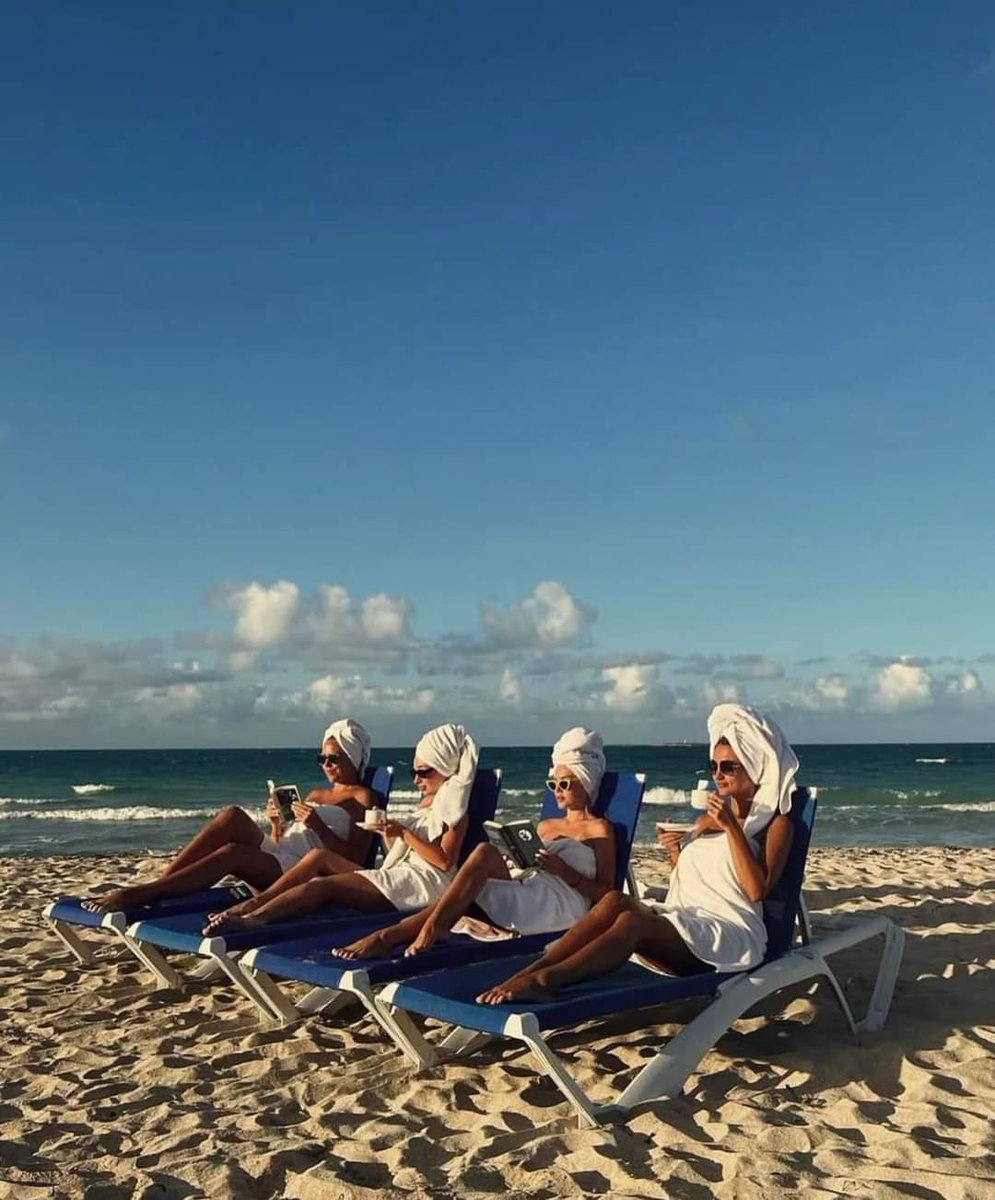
373 818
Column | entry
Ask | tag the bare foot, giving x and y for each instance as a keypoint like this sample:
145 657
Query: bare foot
374 945
426 939
529 989
117 900
240 910
225 922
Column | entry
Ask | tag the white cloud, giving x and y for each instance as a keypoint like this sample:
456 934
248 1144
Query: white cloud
900 685
339 694
333 618
967 684
172 700
631 687
385 618
827 693
550 616
720 691
510 688
265 615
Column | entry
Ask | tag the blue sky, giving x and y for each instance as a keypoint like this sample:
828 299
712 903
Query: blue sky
603 362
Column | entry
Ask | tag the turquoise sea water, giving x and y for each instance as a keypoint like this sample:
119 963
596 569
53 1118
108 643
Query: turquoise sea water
94 801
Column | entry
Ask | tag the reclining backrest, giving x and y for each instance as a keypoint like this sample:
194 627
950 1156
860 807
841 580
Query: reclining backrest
482 807
781 906
620 798
380 780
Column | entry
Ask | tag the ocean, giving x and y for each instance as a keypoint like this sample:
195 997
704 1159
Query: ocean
98 801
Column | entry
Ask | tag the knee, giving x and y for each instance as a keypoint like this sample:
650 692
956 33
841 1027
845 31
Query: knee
483 855
229 814
612 904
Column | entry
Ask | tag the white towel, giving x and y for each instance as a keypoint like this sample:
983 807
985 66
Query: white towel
582 752
453 753
353 739
764 752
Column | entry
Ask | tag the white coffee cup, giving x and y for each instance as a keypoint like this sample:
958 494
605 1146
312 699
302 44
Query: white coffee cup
373 817
701 795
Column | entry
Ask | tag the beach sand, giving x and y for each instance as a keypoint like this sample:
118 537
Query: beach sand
112 1090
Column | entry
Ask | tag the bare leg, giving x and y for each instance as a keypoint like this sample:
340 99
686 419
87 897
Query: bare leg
594 923
634 930
484 863
230 825
256 867
351 890
314 865
383 942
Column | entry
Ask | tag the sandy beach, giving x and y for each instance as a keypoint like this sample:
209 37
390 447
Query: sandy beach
110 1089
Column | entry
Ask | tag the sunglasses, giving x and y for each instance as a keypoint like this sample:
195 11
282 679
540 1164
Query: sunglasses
422 772
560 785
330 760
725 767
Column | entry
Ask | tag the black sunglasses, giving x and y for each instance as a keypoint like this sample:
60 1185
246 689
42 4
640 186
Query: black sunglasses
330 760
725 767
422 772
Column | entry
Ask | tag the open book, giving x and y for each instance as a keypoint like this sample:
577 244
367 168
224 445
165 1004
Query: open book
287 796
517 840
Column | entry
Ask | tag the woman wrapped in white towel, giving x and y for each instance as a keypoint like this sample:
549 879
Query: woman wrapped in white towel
712 918
328 820
421 850
576 867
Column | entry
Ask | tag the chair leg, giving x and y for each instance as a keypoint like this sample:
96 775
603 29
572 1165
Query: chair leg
68 936
524 1027
154 961
420 1052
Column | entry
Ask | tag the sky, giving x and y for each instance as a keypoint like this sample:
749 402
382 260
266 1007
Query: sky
518 364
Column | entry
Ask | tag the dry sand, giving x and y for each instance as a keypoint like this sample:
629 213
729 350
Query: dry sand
112 1090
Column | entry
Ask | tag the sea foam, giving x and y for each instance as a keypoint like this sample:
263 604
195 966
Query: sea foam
666 795
92 789
137 812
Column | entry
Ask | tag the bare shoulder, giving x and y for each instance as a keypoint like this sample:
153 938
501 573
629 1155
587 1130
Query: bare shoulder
365 795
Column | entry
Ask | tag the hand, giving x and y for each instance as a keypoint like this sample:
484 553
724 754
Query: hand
720 811
305 813
670 840
273 812
391 829
555 865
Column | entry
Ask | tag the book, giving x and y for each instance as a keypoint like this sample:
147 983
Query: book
286 795
517 840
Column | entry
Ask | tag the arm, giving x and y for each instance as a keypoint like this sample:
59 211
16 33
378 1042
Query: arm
758 876
441 854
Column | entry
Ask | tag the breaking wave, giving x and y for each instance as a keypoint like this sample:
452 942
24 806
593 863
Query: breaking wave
137 812
666 795
92 789
932 760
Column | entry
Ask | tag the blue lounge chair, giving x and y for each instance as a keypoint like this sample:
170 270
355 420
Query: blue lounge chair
67 915
337 981
184 932
450 996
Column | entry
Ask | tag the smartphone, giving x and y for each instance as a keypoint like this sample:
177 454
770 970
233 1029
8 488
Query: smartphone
286 797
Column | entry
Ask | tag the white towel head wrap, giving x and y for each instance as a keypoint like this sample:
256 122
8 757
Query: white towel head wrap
764 752
353 739
582 752
454 753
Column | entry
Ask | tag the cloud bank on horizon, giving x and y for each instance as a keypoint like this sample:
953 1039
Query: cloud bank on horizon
285 662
